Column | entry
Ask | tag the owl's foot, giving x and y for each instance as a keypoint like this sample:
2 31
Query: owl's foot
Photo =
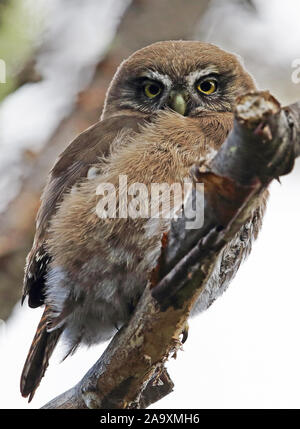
185 333
90 397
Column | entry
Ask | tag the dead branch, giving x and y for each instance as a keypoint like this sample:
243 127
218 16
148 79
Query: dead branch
130 374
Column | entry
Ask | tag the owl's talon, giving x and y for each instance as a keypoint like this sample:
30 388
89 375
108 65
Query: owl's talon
185 333
116 327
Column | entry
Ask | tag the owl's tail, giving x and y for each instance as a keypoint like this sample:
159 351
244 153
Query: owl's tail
38 357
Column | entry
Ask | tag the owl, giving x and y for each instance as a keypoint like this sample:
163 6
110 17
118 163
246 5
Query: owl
168 107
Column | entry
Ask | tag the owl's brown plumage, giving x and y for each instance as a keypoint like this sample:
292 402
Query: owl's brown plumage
168 106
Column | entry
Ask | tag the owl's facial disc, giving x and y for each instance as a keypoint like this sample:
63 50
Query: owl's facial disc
191 77
188 95
200 90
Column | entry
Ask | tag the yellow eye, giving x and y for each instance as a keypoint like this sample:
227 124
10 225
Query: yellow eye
152 90
207 87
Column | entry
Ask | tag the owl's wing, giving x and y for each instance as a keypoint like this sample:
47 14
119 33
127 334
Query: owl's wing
72 165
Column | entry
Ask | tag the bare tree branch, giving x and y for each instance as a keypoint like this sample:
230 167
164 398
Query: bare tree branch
130 374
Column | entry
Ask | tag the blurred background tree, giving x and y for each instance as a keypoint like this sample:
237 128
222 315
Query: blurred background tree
142 23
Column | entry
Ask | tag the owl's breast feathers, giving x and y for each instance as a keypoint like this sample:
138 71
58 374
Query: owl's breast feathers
153 150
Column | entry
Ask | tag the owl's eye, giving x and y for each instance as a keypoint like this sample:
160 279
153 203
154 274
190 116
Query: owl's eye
207 87
152 89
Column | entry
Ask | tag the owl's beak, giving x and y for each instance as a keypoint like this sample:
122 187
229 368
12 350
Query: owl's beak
177 101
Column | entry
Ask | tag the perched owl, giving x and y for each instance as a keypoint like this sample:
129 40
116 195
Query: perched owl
168 106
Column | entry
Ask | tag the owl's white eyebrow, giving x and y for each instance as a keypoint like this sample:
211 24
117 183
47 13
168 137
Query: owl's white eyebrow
192 77
155 75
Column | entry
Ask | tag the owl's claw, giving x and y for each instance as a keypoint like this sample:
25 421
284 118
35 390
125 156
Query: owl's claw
116 327
185 333
91 397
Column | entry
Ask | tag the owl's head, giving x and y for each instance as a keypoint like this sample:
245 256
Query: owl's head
189 77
